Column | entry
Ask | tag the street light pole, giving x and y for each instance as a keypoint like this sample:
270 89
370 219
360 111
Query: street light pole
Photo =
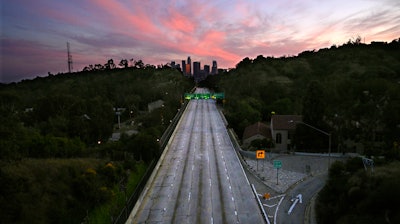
323 132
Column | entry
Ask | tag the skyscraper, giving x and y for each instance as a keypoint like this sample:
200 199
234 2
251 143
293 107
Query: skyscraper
214 69
206 70
196 70
189 68
184 67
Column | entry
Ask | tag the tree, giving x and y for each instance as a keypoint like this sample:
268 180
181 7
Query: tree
124 63
313 114
98 67
110 64
314 104
88 68
244 63
146 147
139 64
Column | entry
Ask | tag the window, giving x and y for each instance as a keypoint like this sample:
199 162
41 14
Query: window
278 138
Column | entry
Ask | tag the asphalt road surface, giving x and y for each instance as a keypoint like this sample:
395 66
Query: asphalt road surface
307 189
200 179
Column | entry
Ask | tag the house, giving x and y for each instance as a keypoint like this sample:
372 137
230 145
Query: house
255 131
283 128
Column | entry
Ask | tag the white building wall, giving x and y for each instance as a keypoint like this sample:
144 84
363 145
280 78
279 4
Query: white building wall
284 140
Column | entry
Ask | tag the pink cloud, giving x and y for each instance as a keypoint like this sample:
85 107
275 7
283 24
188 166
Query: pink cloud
179 22
136 23
159 31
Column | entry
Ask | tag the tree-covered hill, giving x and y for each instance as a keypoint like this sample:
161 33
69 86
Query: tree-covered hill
57 164
353 91
81 106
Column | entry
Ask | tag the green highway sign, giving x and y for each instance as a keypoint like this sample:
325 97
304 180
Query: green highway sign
277 164
204 96
218 95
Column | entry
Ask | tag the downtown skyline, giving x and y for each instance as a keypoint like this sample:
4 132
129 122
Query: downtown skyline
34 33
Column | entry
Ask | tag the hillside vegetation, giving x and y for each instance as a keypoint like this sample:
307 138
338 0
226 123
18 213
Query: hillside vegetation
57 164
351 91
355 195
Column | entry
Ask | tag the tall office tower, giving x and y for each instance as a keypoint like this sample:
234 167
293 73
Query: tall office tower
206 70
189 62
187 70
196 69
184 67
214 69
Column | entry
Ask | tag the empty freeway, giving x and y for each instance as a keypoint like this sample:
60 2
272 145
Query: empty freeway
200 178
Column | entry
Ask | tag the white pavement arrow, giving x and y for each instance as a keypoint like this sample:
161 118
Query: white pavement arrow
299 198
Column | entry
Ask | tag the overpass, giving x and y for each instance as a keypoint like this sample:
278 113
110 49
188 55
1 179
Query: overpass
199 178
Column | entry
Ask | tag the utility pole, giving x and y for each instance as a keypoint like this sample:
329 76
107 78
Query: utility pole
69 59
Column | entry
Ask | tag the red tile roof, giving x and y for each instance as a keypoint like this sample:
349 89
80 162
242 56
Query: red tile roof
257 128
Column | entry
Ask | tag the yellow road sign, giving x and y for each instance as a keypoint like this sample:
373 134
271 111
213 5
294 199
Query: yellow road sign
260 154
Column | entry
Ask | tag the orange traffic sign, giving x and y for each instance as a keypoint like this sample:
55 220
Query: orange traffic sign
260 154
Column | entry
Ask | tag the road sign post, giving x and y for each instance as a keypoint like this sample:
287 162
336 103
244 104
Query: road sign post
277 166
260 154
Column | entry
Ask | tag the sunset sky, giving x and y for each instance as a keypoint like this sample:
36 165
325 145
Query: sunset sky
34 33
